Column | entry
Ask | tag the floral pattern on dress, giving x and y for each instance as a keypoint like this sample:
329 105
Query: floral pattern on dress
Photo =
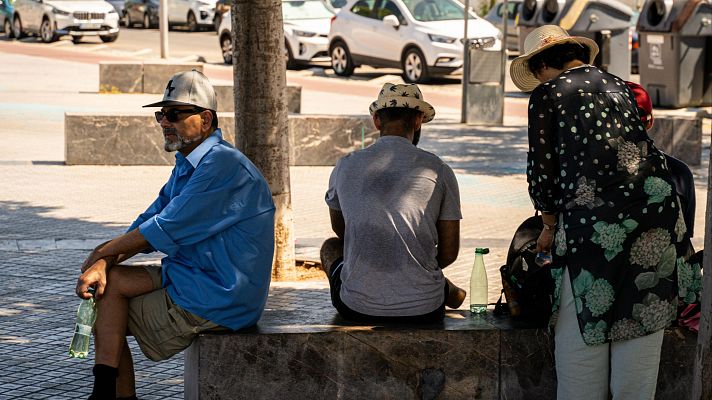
690 281
618 232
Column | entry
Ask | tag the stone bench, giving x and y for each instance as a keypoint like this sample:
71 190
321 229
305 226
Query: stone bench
151 77
308 352
136 139
679 135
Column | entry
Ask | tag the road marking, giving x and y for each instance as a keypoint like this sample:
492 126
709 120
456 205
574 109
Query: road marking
61 43
140 52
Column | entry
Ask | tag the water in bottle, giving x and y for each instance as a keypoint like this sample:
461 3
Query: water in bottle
478 283
86 315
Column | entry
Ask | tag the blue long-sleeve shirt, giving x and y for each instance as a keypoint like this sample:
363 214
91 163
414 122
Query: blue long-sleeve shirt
214 219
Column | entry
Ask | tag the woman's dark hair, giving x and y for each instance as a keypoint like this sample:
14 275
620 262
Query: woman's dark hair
557 56
407 115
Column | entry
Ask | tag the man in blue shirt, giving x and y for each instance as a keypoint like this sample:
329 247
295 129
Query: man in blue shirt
214 220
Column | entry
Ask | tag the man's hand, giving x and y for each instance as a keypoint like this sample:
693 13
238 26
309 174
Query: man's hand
93 257
94 276
546 239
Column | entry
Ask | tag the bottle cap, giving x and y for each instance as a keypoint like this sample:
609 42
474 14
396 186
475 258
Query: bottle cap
481 250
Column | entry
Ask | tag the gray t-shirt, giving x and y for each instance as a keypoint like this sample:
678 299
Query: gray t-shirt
391 195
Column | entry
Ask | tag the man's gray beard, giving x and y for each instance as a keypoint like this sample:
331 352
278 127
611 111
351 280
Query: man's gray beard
179 144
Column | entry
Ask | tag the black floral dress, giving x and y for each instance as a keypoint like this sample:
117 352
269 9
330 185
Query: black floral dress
620 227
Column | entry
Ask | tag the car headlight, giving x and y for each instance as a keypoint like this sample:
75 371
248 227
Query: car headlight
59 12
440 38
303 33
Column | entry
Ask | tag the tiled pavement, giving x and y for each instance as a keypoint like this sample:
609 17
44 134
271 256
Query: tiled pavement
51 215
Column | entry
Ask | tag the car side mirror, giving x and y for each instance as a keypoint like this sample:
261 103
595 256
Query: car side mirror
392 21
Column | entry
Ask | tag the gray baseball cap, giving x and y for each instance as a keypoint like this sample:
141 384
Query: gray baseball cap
189 88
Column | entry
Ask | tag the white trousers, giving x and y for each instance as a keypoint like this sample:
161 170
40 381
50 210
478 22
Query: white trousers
583 371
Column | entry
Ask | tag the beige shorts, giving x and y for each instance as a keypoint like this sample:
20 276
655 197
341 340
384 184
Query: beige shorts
161 328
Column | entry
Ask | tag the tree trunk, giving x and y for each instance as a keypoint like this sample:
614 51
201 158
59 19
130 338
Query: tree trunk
702 378
261 130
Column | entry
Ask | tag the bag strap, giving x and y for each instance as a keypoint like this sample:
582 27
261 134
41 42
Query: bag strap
500 308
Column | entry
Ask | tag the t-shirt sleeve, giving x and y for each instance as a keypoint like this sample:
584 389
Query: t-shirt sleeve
450 206
332 197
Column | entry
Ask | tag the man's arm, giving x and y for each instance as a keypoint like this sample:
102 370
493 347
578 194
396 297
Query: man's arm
105 256
448 241
337 223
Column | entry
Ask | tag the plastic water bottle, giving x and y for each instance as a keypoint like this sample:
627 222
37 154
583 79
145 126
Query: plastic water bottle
86 315
478 283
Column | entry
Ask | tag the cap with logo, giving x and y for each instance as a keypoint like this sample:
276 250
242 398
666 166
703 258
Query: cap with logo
188 88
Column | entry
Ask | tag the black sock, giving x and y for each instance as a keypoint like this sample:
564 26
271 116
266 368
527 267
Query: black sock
104 382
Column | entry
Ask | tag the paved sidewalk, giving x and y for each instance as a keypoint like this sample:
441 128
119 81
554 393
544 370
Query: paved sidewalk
51 215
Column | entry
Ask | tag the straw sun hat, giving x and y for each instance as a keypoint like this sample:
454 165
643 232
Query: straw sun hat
537 41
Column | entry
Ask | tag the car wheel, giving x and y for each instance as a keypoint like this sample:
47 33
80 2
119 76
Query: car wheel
17 27
341 60
146 21
7 26
76 39
47 34
415 70
127 20
109 38
289 58
192 22
226 47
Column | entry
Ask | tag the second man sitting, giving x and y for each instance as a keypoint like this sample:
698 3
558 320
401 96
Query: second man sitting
396 211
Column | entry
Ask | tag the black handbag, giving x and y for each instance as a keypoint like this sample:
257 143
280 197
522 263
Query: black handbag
527 286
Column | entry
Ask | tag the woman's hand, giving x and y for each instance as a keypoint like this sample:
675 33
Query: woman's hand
545 241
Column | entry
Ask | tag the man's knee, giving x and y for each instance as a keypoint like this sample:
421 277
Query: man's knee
128 281
331 249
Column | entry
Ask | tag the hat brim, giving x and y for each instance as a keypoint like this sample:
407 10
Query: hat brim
519 70
405 102
169 103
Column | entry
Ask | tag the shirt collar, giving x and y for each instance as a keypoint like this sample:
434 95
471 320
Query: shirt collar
199 152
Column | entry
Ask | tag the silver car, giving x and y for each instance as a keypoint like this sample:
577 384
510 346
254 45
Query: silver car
495 17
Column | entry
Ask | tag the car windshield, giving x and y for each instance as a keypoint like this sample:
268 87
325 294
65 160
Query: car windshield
309 9
435 10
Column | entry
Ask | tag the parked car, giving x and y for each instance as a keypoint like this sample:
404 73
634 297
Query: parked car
195 14
335 4
119 7
51 19
306 26
6 11
495 16
422 37
221 7
144 12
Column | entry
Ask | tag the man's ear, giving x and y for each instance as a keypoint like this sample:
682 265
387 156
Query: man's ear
376 121
206 119
418 121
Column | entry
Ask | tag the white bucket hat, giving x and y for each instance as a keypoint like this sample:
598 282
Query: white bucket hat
402 96
537 41
189 88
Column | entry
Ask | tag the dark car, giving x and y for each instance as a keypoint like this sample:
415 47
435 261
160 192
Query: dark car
6 11
144 12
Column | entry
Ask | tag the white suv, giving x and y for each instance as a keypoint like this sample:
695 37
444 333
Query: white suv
422 37
194 14
306 26
51 19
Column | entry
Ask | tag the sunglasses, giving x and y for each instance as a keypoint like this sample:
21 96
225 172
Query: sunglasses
172 115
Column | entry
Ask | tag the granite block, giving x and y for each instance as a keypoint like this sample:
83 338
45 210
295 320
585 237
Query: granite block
677 362
226 103
661 133
136 139
322 140
121 77
527 364
687 140
346 362
157 74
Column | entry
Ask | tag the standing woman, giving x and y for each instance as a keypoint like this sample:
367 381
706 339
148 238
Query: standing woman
611 219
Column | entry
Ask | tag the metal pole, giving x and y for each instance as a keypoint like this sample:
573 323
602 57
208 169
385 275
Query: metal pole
163 24
465 64
505 23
